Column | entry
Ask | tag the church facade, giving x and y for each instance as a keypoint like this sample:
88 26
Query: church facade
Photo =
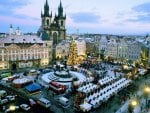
52 27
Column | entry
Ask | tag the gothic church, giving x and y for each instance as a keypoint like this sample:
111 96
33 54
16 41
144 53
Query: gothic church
53 29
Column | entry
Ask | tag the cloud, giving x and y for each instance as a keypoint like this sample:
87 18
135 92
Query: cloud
9 9
19 21
7 6
143 13
13 3
141 18
85 17
142 8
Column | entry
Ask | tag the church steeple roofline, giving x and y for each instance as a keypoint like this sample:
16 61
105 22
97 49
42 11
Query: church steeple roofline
60 5
41 13
46 9
51 14
11 26
60 10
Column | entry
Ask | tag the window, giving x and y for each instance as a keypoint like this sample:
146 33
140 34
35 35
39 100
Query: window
62 23
47 21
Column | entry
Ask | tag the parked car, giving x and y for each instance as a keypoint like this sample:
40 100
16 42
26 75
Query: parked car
32 102
64 102
3 101
44 102
10 97
3 93
25 107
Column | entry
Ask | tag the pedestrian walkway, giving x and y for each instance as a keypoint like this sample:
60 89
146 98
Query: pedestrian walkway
123 108
140 108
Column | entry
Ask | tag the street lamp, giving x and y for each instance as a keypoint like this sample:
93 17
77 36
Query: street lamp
146 93
132 105
147 89
12 108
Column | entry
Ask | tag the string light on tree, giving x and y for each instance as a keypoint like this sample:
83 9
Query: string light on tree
73 55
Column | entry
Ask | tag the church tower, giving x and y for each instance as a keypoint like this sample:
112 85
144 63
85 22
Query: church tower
11 31
54 28
60 19
46 18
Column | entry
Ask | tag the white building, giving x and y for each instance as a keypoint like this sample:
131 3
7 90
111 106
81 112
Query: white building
81 47
103 42
111 50
62 49
12 32
134 51
122 50
24 51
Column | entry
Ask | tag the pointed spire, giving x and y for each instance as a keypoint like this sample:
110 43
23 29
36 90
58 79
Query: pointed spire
46 2
46 9
60 4
60 10
41 13
51 14
55 17
11 26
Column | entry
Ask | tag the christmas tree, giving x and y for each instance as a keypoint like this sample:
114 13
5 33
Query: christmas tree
73 56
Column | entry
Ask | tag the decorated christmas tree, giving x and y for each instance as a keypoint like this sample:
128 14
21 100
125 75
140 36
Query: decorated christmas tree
73 56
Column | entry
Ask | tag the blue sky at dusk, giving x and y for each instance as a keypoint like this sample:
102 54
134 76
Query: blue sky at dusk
86 16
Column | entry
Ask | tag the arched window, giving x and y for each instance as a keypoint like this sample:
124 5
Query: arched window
47 21
62 23
55 38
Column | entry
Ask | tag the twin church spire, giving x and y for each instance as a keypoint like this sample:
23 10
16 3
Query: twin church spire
46 10
54 26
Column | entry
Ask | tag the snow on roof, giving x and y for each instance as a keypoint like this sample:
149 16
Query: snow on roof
21 39
45 77
80 76
86 106
21 80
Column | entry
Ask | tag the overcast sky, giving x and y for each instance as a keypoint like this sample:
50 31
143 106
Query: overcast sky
84 16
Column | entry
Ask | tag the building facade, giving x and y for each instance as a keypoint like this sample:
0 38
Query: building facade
112 49
121 49
14 32
62 49
23 51
81 47
103 43
134 50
